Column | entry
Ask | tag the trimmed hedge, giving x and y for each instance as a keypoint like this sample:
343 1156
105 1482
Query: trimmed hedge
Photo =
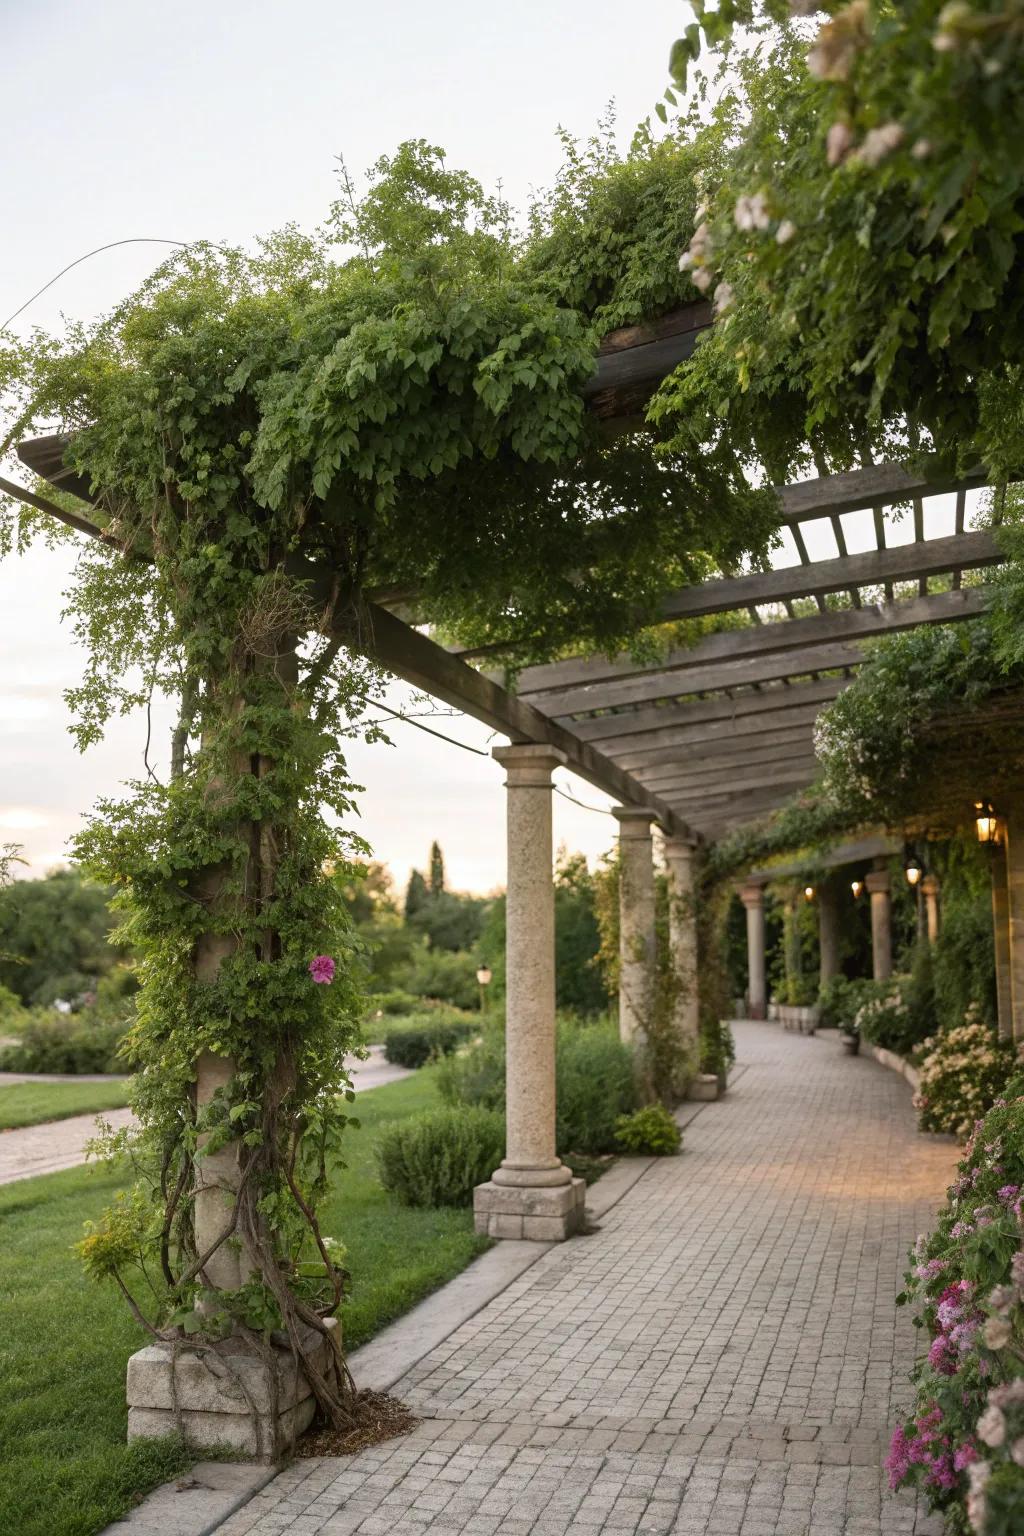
66 1042
439 1158
595 1077
413 1041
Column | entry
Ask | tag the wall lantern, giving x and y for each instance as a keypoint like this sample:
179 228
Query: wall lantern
987 823
808 893
856 886
912 869
483 976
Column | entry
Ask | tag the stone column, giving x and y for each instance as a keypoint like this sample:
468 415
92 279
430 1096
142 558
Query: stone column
828 931
532 1194
1014 844
682 940
930 892
637 956
877 882
1001 938
752 897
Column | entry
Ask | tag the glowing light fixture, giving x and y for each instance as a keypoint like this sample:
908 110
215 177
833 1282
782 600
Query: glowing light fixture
808 893
987 823
856 886
912 869
483 975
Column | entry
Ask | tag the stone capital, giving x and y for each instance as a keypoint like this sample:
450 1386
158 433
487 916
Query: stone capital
877 882
752 896
635 821
682 848
930 885
530 764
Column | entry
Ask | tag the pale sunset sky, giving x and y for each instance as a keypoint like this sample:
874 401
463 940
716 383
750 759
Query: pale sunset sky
220 122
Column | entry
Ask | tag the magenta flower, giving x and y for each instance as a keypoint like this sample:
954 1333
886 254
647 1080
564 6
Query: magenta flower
321 968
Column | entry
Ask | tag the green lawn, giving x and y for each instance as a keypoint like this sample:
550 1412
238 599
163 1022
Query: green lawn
65 1469
32 1103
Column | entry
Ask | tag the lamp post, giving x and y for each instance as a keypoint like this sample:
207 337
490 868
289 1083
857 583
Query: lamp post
483 976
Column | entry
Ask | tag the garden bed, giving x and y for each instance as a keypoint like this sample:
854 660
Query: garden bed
65 1466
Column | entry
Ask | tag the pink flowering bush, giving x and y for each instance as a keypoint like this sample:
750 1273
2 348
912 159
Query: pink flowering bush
964 1445
962 1072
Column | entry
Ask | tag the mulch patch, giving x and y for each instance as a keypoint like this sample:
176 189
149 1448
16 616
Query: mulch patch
378 1417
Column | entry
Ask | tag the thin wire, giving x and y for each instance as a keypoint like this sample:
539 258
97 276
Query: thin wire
410 720
600 809
133 240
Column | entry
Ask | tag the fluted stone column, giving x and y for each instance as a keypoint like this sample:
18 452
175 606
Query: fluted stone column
682 939
930 892
877 882
532 1194
752 897
1001 938
637 944
828 931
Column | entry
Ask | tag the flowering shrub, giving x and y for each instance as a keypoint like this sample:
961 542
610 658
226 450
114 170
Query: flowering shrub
962 1072
965 1443
885 1017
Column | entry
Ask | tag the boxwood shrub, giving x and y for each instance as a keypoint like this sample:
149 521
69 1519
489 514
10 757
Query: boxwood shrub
412 1041
439 1158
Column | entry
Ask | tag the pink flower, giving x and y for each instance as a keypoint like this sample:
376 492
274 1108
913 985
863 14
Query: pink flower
322 970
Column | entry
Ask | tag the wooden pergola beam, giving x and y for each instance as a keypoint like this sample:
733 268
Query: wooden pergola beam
753 641
797 768
772 746
621 728
719 740
907 562
418 660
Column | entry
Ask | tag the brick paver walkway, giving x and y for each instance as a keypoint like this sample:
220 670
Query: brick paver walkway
723 1357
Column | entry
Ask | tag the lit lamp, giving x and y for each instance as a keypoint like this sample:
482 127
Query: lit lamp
987 823
856 886
483 976
808 893
912 869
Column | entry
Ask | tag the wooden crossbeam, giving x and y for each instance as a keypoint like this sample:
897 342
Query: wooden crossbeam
719 739
625 726
737 657
770 746
907 562
418 660
798 768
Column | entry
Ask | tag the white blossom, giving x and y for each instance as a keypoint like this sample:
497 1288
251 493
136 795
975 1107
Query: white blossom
997 1334
1017 1451
837 143
785 232
880 142
723 298
992 1427
751 212
703 278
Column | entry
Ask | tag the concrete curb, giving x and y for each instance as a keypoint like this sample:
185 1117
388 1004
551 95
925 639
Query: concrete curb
197 1502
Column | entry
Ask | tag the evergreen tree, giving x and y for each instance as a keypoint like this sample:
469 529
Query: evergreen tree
436 869
416 894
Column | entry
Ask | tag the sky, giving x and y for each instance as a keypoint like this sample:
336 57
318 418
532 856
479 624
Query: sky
220 122
129 118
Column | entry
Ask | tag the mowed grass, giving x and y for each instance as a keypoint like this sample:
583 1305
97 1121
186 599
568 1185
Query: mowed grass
33 1103
65 1466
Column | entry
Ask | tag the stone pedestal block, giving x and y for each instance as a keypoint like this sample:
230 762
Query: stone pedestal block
220 1396
541 1215
704 1087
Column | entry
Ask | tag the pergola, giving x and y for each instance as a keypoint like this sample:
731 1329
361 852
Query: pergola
698 742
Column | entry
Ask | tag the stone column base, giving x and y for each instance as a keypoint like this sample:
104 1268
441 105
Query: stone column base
212 1409
704 1087
541 1215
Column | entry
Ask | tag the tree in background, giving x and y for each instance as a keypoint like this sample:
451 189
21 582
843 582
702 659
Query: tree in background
415 894
54 937
436 881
